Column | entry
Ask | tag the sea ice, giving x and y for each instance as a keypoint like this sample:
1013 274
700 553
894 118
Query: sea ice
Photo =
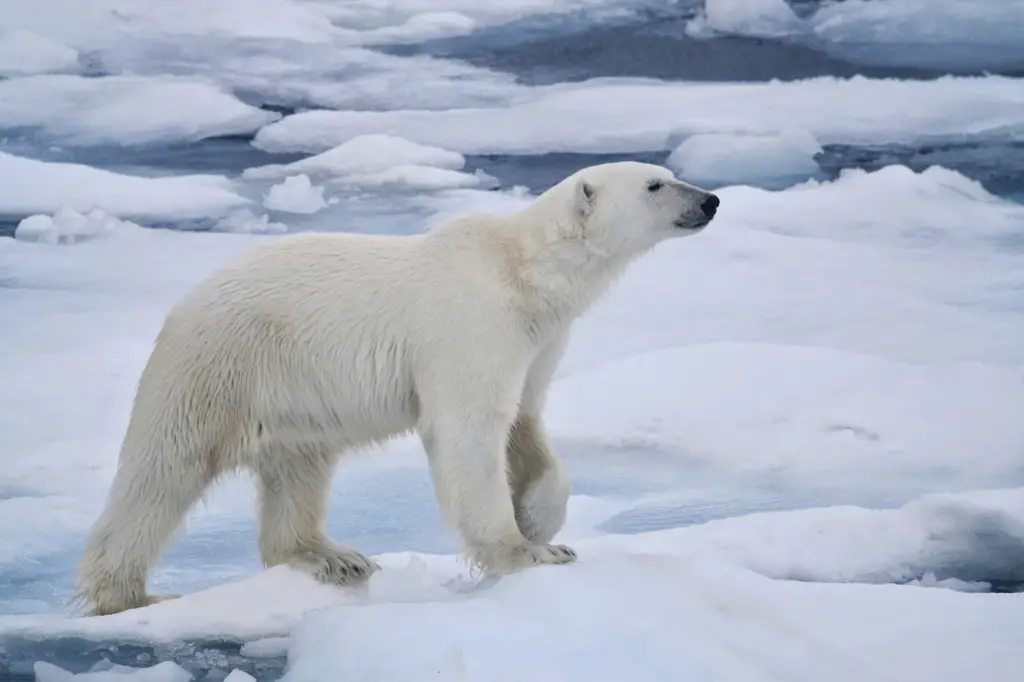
124 110
660 114
295 194
769 160
765 409
31 186
415 177
722 589
100 23
416 29
363 155
753 18
24 53
161 672
937 34
633 615
68 226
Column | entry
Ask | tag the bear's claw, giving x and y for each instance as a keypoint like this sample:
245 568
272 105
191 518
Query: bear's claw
336 565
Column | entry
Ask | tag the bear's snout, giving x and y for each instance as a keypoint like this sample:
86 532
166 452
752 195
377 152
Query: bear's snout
710 206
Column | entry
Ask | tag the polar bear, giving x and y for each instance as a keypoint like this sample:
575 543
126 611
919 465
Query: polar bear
312 345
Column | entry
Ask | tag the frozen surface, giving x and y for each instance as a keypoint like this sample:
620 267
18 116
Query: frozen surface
123 110
161 672
364 155
295 194
679 619
717 159
929 33
31 186
68 226
25 53
765 409
632 115
101 22
715 588
754 18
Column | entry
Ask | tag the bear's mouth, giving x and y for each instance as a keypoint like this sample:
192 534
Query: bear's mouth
692 224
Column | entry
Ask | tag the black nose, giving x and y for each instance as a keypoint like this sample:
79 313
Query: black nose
710 205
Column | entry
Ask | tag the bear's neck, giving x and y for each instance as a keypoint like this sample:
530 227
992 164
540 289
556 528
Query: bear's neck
558 273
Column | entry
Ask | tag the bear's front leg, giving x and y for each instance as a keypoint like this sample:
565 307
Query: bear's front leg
294 491
465 442
540 484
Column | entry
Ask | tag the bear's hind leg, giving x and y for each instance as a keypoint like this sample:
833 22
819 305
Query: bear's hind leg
146 504
294 492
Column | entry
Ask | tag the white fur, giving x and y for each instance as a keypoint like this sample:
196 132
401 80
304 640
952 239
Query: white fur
315 344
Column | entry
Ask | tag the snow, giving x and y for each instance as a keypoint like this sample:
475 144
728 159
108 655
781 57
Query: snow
851 111
928 34
363 155
679 619
718 590
24 53
68 226
31 186
417 28
753 18
415 177
101 22
718 159
124 110
295 194
764 409
924 33
161 672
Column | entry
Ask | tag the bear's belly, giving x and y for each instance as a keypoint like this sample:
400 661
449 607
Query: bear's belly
325 416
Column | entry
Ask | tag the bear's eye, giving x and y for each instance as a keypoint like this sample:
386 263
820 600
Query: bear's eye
655 185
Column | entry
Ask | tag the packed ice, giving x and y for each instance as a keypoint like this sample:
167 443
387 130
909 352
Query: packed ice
295 194
24 53
587 117
770 160
124 110
795 439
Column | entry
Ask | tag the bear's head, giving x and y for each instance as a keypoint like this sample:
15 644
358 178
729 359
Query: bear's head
627 207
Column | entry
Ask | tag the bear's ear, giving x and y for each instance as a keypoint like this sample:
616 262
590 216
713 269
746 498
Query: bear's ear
584 198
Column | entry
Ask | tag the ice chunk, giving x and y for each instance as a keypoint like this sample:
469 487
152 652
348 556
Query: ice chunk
244 221
975 537
363 155
31 186
68 226
416 177
417 28
124 110
237 675
161 672
268 647
754 18
669 618
854 111
740 408
295 194
939 34
101 22
719 159
942 209
24 53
